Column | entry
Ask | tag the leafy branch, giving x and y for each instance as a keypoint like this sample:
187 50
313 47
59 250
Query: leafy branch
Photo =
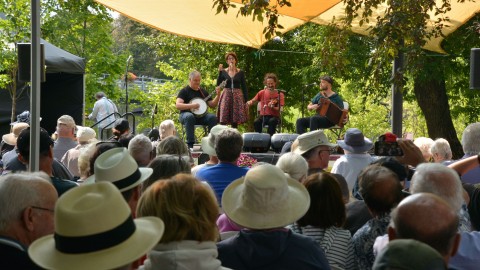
258 9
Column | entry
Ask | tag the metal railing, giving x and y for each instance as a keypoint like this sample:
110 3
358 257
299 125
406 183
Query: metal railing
118 115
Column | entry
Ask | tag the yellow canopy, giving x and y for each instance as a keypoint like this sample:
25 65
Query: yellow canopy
198 19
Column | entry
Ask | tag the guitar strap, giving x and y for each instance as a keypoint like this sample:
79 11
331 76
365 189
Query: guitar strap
201 92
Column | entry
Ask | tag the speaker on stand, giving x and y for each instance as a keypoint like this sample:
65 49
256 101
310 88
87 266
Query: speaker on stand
24 63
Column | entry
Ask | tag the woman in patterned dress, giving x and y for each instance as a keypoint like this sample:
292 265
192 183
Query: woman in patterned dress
231 107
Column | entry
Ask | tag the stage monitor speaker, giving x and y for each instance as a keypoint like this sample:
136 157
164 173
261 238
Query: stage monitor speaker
279 139
24 66
256 142
475 68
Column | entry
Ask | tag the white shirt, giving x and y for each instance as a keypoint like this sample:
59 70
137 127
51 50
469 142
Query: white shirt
101 109
350 165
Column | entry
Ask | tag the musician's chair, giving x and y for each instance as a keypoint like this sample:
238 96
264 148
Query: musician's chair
265 124
202 132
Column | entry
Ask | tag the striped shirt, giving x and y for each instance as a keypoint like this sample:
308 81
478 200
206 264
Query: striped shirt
335 242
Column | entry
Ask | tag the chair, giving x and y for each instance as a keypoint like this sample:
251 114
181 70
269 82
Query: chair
278 129
338 130
198 137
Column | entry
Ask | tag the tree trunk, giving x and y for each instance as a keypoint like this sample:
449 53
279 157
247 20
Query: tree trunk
431 95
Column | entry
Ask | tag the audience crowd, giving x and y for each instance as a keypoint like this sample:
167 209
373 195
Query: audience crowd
140 202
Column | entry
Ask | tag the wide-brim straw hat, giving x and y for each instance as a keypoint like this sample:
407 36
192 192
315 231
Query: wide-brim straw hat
11 138
310 140
265 198
94 229
120 168
355 142
208 143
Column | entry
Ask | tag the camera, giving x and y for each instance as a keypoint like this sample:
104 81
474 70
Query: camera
383 148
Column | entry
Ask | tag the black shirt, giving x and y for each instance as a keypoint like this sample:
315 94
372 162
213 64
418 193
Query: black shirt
187 94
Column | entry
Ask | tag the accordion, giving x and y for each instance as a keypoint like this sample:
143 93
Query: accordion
332 112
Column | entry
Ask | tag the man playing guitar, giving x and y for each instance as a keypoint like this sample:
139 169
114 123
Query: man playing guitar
317 121
188 116
271 103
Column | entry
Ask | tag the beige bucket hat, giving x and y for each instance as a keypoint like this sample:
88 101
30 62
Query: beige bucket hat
312 139
265 198
208 143
11 138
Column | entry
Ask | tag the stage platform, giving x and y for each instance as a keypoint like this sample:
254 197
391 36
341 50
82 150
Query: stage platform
268 157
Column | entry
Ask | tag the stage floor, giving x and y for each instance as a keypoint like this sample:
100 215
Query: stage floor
269 157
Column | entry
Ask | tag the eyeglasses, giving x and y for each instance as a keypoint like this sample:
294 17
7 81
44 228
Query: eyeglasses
330 151
44 209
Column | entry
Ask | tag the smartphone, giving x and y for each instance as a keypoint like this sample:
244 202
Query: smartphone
388 149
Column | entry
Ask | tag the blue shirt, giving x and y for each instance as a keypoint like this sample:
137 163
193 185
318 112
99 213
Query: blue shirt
220 176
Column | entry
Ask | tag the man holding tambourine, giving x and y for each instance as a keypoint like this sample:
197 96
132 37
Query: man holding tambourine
192 101
271 103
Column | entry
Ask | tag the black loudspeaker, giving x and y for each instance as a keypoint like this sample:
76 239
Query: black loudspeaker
24 66
279 139
475 68
256 142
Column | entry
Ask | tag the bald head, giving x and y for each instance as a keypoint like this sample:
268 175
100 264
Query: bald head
427 218
440 180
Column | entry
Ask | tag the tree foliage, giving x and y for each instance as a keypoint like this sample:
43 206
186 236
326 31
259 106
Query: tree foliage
15 28
84 28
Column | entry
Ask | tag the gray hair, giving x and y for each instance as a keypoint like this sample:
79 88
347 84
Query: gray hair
441 147
84 160
166 128
471 139
194 74
424 144
100 95
140 148
294 165
172 145
440 180
17 192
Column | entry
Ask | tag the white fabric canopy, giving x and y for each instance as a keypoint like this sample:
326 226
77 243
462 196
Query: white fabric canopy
198 19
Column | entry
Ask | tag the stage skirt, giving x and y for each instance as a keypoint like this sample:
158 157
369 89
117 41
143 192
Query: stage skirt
231 107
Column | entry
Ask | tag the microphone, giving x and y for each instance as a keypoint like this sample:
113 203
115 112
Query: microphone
129 58
281 90
310 84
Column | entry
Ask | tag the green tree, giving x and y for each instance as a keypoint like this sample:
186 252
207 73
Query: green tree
402 28
15 28
85 28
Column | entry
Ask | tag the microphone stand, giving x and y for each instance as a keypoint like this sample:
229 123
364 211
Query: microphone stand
280 109
303 101
126 84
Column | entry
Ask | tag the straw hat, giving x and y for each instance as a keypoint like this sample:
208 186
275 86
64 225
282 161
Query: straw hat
208 143
355 142
311 139
118 166
11 138
94 229
265 198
